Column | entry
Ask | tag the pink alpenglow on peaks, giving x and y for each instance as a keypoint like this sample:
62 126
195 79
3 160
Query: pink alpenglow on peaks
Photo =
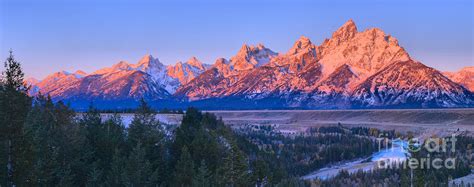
193 61
352 69
345 32
187 71
464 77
80 73
336 73
366 52
250 57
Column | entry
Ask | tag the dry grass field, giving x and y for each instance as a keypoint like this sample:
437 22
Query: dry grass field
422 122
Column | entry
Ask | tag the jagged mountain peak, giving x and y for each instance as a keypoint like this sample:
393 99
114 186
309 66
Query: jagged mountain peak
223 66
220 61
148 61
350 70
250 57
304 39
346 31
245 48
185 72
366 52
303 53
146 58
251 49
260 46
193 61
302 45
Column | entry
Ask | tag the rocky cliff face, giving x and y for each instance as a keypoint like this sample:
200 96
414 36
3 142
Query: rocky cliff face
464 77
187 71
250 57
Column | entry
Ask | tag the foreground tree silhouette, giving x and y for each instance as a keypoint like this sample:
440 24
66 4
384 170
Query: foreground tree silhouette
46 141
14 106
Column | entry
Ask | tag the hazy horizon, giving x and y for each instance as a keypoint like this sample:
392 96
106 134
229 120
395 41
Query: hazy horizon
51 36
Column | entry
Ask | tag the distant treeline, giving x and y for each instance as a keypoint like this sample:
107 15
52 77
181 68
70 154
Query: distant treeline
133 110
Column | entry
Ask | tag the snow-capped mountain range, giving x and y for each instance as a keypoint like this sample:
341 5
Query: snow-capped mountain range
352 69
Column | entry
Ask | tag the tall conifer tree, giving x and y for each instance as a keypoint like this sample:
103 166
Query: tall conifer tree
14 106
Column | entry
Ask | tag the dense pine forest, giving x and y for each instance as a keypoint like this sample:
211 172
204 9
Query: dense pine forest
46 143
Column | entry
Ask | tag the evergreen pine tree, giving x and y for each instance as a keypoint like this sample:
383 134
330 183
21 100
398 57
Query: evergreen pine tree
145 128
148 131
95 175
203 177
184 170
14 106
234 169
39 133
47 133
117 171
138 167
66 178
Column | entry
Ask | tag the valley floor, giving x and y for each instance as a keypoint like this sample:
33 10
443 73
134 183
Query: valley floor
421 122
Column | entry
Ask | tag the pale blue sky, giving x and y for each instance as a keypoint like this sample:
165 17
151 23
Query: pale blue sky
49 35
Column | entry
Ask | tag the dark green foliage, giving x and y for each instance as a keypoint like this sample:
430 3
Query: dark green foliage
184 171
234 170
203 177
138 167
14 107
148 132
47 142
